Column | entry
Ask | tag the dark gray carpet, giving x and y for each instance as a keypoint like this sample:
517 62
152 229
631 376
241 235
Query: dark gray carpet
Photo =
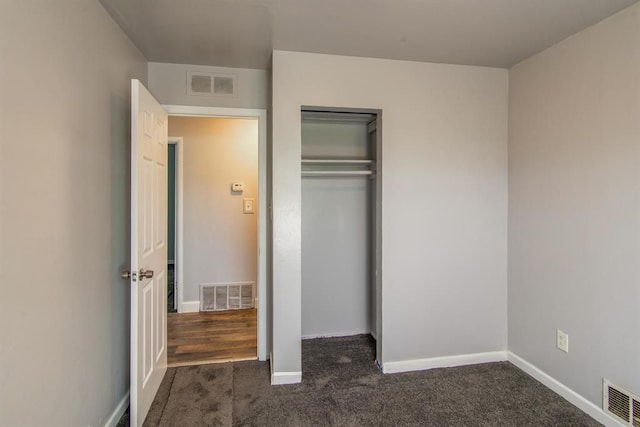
342 387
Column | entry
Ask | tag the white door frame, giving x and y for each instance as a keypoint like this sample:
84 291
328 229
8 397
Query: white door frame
261 282
177 216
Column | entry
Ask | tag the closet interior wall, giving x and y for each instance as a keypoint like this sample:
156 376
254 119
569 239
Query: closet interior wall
338 227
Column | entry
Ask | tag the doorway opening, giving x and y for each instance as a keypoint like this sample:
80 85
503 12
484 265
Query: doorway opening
172 306
341 228
220 229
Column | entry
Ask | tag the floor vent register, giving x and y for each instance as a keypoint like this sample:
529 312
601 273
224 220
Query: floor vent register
621 404
226 296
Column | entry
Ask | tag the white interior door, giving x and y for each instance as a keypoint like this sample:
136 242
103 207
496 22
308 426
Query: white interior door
148 249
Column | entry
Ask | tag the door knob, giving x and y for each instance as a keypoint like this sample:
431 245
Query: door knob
146 274
127 275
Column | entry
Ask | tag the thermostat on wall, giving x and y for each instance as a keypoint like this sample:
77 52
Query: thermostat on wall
237 187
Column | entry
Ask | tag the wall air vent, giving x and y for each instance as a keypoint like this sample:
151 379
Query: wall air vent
211 84
621 404
226 296
200 84
223 85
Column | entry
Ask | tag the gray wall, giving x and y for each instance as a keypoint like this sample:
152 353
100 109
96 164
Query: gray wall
336 287
168 83
444 200
220 242
574 207
64 212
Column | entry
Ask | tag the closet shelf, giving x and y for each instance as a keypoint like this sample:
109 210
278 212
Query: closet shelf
337 167
335 162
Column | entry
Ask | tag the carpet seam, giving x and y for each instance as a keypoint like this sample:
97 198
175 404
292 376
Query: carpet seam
233 373
164 407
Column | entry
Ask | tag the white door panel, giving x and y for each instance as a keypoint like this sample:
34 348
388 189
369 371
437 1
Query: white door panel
148 249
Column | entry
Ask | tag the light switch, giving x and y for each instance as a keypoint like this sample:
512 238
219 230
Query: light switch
247 206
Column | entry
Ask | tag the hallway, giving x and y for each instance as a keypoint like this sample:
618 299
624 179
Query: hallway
211 337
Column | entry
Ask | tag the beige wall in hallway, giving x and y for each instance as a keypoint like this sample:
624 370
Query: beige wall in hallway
220 241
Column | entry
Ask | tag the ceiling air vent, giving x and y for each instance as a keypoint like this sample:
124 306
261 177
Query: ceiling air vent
620 403
210 84
226 296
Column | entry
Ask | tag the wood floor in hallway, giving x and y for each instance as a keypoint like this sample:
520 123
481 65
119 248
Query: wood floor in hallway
213 336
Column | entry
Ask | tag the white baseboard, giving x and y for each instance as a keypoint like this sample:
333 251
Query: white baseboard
574 398
190 307
443 362
282 378
334 334
118 412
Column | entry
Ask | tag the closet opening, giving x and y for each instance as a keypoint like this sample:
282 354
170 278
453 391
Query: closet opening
341 209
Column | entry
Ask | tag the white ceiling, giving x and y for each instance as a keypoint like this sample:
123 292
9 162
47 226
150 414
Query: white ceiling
242 33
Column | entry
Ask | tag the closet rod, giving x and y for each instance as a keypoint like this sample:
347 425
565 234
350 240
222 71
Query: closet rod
337 173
